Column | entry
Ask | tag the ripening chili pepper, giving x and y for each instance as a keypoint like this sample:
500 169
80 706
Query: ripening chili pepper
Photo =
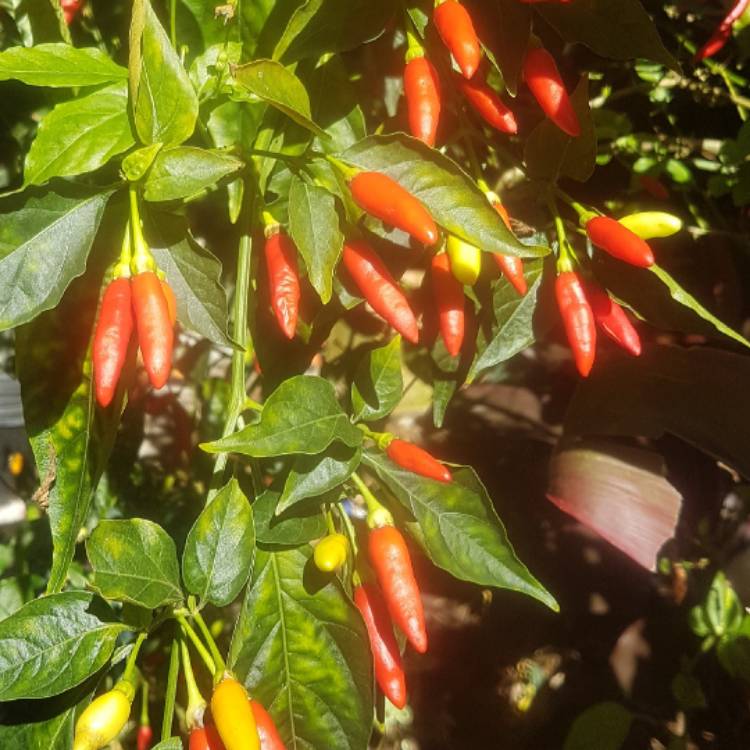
449 300
70 9
456 29
422 89
145 737
104 718
510 265
155 329
649 225
545 83
379 288
392 565
16 463
619 242
466 260
205 738
283 279
487 102
267 732
389 670
612 319
412 457
578 320
723 31
385 199
170 298
330 552
234 719
111 338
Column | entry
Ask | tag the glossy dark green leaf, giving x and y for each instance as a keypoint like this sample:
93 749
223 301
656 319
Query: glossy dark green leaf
603 726
54 733
134 561
45 239
54 643
450 195
378 383
11 597
219 549
59 65
459 528
301 649
186 170
300 416
279 87
314 227
311 476
326 26
619 29
299 525
166 106
80 135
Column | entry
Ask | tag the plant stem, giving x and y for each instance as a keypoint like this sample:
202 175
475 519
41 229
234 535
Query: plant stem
173 23
144 704
196 703
377 513
171 691
220 666
252 404
132 656
199 647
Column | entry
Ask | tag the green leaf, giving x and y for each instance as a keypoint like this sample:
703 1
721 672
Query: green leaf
11 597
194 274
450 195
37 22
300 416
327 26
166 106
312 476
314 228
618 29
45 239
80 135
137 162
219 549
459 528
682 296
301 648
186 170
134 561
279 87
173 743
604 726
378 383
70 437
54 643
300 524
59 65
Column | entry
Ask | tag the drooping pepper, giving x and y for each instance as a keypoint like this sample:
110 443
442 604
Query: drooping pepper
612 319
391 562
422 89
155 329
385 199
389 670
545 83
205 738
456 29
650 225
283 279
416 459
330 552
510 265
449 300
487 102
723 31
233 716
619 242
111 338
104 718
267 732
465 258
145 737
379 288
578 320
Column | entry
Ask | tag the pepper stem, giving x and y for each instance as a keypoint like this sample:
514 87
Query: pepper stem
377 514
219 665
195 638
122 268
129 673
141 260
196 704
144 704
566 256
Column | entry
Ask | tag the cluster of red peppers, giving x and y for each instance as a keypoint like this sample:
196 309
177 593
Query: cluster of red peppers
137 296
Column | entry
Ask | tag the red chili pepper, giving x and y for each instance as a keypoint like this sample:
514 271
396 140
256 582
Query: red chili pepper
612 319
389 670
379 288
654 187
171 301
619 242
412 457
487 102
70 9
456 29
269 735
145 737
384 198
449 299
392 565
510 265
111 338
724 30
283 280
578 319
205 738
155 330
422 89
545 83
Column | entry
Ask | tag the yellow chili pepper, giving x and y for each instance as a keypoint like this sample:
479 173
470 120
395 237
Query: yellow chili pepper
104 718
330 552
649 225
466 260
233 716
